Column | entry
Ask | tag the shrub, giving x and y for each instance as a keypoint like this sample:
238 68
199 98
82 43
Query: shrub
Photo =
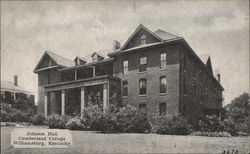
173 125
18 116
63 121
6 110
210 124
212 134
126 120
54 121
75 124
57 121
11 114
92 117
38 120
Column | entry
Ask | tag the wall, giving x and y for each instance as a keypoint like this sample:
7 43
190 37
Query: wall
43 77
198 90
153 74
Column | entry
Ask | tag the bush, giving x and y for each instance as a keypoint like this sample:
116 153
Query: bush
18 116
75 124
176 125
57 121
54 121
63 121
126 120
38 120
212 134
210 124
92 117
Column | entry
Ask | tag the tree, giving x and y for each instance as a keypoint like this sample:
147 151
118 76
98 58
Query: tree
238 111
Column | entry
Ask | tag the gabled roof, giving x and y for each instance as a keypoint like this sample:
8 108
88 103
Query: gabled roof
204 58
83 59
160 35
136 31
9 86
165 35
98 54
209 65
59 60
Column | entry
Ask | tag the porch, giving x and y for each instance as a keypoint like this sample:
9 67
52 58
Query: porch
71 97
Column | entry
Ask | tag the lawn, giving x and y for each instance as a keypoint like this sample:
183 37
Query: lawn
92 142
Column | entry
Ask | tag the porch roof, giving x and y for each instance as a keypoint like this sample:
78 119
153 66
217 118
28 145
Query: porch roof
81 83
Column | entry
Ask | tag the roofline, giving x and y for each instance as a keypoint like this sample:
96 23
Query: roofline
11 90
146 29
99 54
87 64
46 52
204 65
47 68
111 54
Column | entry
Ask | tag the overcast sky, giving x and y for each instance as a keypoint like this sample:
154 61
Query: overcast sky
78 28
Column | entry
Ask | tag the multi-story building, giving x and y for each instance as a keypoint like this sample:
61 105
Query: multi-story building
157 72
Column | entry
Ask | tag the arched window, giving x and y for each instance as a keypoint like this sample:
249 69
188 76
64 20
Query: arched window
143 39
163 84
142 86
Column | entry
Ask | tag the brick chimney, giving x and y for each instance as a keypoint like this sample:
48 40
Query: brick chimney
218 77
116 45
15 80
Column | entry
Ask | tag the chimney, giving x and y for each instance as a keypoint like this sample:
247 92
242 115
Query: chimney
15 80
218 77
116 45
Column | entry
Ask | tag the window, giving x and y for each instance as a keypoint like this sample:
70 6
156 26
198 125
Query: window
143 108
163 108
143 39
125 67
143 86
163 84
163 60
125 88
143 64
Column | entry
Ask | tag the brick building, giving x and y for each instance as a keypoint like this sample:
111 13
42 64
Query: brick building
157 72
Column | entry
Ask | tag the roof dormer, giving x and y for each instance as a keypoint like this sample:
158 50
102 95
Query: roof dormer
96 57
79 61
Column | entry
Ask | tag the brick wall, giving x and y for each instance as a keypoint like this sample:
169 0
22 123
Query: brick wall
153 98
198 89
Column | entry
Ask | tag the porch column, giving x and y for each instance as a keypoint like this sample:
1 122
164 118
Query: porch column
63 103
93 71
82 99
75 74
105 96
46 105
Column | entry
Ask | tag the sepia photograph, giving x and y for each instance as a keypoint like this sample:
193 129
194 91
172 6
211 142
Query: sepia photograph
125 76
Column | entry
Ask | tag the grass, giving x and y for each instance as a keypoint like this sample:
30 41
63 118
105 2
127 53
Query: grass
91 142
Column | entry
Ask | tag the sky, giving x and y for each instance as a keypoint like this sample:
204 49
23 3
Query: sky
79 28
